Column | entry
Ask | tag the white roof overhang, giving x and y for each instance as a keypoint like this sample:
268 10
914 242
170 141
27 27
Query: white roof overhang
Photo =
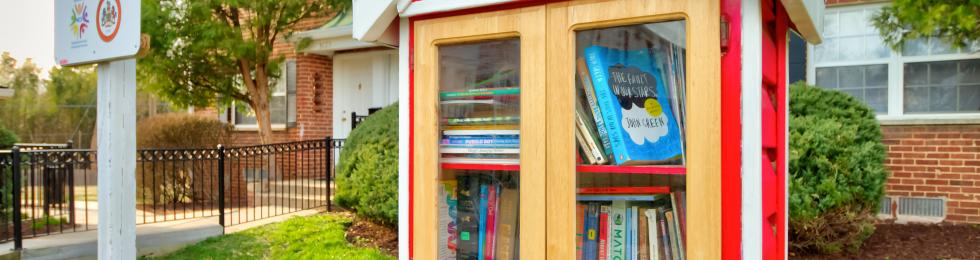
807 15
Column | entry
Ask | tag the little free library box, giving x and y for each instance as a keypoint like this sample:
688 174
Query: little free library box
618 129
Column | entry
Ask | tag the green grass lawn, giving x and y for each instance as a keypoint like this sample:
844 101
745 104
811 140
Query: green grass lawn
313 237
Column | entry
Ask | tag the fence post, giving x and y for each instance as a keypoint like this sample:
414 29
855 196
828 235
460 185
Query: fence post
70 171
353 120
15 170
221 186
330 167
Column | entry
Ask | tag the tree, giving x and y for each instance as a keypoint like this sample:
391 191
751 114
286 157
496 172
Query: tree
956 22
20 110
214 52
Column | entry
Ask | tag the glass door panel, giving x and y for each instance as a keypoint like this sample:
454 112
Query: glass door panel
480 145
629 131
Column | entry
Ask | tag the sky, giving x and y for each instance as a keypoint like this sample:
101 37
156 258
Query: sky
26 31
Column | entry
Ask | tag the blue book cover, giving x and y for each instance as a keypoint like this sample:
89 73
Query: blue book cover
592 232
635 105
484 199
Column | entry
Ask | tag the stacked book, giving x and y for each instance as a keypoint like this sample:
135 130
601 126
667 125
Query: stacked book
630 109
631 226
478 218
481 126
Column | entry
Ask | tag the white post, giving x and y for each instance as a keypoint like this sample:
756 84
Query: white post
117 159
751 130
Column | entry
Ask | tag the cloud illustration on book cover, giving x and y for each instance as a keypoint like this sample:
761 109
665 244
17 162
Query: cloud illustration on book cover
643 117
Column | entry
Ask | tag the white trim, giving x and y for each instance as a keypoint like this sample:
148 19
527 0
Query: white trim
403 148
373 18
895 113
437 6
751 130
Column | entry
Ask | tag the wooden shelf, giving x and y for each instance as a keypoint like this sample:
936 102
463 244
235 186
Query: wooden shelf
664 170
656 170
481 166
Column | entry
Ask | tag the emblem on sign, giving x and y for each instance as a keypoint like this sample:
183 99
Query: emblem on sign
108 19
79 20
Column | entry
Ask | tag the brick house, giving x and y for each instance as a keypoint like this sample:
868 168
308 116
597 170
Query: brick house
927 98
321 85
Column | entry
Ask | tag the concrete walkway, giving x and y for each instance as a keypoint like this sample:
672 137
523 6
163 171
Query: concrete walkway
151 239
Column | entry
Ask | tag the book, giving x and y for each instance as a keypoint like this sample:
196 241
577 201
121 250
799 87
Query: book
586 80
603 232
677 224
480 160
629 233
634 105
671 232
481 146
468 195
484 200
642 238
682 214
482 132
617 230
482 120
603 197
655 252
480 140
586 153
579 229
489 249
480 92
634 232
625 190
594 148
512 127
447 219
664 239
481 150
591 232
507 222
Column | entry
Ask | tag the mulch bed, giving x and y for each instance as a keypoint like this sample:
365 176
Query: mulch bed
364 233
915 241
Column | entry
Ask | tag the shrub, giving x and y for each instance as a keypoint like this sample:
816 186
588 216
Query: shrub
174 183
836 167
178 130
367 176
7 138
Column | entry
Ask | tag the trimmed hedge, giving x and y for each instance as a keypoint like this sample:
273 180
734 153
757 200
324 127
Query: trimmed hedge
367 175
7 138
837 172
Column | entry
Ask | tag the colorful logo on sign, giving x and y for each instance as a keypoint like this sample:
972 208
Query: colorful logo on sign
79 20
108 19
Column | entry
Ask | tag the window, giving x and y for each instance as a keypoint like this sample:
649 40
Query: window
928 79
282 102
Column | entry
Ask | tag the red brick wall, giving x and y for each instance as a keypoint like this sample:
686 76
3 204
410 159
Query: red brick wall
936 161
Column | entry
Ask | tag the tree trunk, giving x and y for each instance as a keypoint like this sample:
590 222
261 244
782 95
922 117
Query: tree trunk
260 105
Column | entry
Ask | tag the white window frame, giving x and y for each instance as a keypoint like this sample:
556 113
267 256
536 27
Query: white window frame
896 80
280 90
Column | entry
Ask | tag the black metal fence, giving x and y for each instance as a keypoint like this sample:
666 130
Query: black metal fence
52 191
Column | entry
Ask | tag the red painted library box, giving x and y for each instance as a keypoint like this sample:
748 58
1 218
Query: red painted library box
629 129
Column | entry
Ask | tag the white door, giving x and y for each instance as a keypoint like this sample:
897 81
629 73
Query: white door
361 81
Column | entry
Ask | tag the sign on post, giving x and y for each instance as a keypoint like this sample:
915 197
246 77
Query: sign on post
108 32
89 31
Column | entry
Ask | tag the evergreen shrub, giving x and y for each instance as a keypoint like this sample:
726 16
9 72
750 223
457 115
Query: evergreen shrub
7 138
367 175
837 172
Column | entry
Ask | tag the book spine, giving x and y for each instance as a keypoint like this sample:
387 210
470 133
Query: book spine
479 141
616 197
634 232
467 214
586 153
593 148
489 247
617 242
447 217
482 120
481 150
642 237
579 229
480 92
625 190
603 232
607 102
482 238
652 233
591 238
482 132
676 227
664 239
507 223
629 233
589 90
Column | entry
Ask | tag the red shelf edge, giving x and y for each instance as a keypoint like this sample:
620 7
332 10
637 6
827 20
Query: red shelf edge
666 170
